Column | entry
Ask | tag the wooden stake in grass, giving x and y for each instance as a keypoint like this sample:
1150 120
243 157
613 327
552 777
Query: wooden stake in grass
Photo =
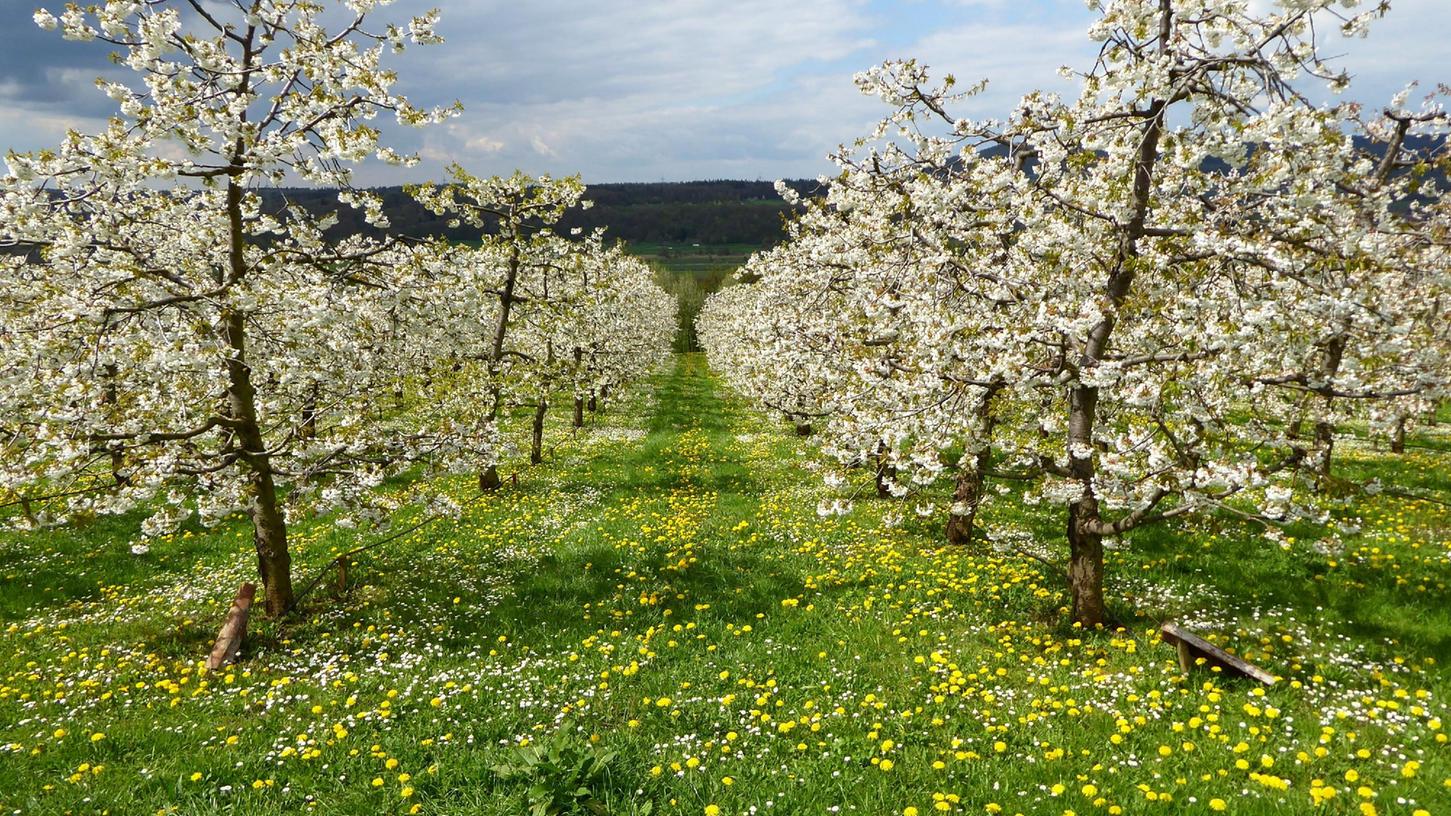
342 583
234 630
1192 647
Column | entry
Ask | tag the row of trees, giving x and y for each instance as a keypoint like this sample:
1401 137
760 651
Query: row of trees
167 344
1156 299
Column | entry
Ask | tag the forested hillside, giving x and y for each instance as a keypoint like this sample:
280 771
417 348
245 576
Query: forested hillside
704 212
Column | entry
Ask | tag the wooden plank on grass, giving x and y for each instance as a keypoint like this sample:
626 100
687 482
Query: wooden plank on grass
342 582
1192 647
234 629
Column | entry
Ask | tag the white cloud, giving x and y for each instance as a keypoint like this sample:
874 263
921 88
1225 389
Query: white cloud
484 145
1014 59
542 148
29 128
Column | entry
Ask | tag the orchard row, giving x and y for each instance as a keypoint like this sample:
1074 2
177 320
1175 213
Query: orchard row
1159 298
167 344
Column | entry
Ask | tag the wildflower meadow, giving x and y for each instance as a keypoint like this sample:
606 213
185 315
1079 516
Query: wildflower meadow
1084 451
662 614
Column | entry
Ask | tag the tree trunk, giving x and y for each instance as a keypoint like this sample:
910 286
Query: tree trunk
536 447
970 481
274 562
489 478
1085 569
1398 436
886 474
269 529
1085 547
1085 564
118 448
804 429
1325 429
578 400
593 402
968 496
308 429
1325 443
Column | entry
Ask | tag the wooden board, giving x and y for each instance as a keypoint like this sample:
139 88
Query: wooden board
234 629
1192 647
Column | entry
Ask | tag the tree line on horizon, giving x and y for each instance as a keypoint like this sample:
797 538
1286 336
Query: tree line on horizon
705 212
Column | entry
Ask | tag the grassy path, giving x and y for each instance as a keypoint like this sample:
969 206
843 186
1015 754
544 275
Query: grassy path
662 598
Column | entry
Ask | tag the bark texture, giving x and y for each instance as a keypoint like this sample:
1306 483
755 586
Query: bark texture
966 496
489 478
886 474
536 444
269 528
968 493
1085 564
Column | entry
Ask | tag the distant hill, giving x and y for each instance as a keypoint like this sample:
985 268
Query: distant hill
693 212
1422 144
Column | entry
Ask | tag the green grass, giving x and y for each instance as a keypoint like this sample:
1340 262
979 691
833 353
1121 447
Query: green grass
663 593
706 261
691 279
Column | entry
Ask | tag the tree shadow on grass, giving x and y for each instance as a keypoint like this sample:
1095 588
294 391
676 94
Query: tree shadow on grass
552 599
66 565
1365 602
1244 571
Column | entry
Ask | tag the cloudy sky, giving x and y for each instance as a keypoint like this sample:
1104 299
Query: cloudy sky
647 90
